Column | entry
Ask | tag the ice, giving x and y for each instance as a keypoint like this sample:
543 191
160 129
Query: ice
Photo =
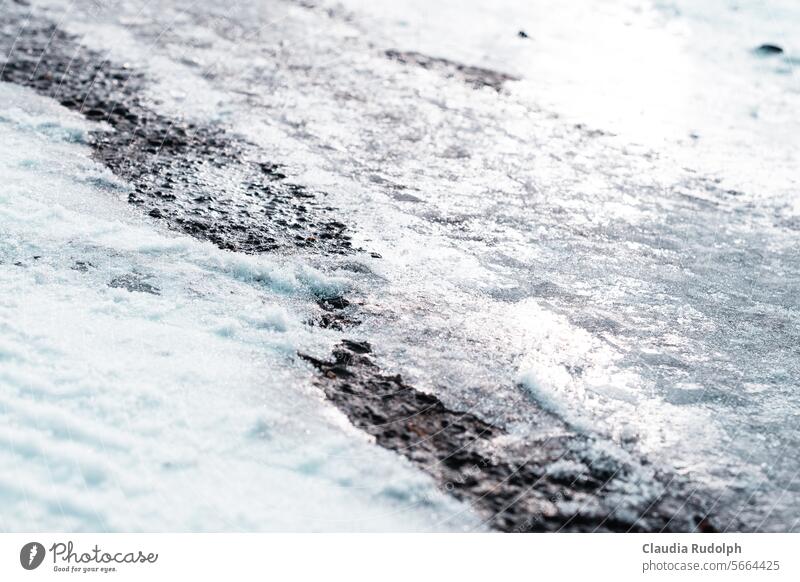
613 236
566 469
179 405
676 75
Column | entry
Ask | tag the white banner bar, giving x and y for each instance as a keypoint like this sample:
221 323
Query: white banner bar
409 557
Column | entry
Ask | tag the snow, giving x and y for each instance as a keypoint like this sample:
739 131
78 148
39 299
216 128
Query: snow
604 271
183 409
655 72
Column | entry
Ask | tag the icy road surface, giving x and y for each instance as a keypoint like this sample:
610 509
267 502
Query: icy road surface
134 409
611 236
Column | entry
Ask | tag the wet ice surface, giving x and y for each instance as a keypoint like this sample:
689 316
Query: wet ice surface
143 373
675 75
636 275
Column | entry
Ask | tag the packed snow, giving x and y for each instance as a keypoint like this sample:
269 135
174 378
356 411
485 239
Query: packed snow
143 373
613 237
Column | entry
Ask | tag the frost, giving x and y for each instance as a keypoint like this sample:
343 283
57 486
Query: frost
149 381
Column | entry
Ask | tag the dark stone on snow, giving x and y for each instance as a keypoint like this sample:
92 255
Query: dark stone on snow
357 347
768 49
134 283
82 266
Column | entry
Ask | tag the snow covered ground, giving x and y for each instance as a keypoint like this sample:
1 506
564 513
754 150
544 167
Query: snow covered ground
613 237
178 405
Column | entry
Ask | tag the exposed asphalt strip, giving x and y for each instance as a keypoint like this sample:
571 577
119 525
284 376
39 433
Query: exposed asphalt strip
207 182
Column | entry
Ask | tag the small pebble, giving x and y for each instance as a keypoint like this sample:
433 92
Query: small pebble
769 49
